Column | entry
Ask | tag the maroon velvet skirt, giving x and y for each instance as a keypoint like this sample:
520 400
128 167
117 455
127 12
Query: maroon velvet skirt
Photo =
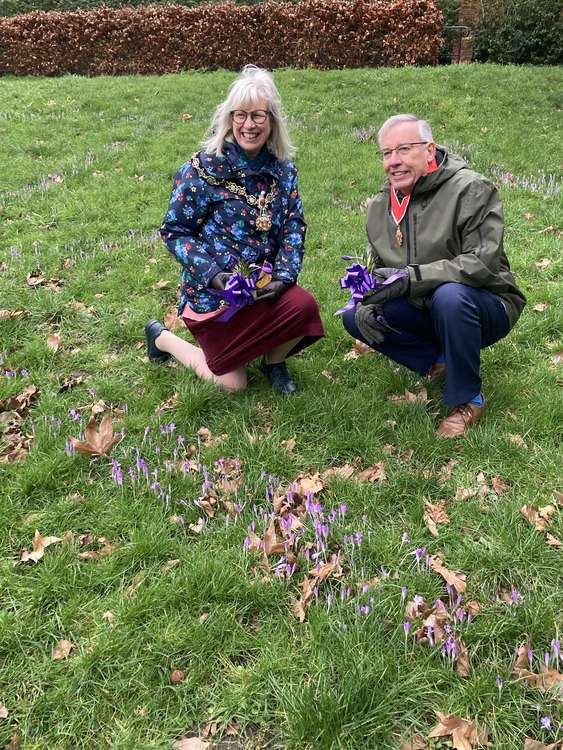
258 328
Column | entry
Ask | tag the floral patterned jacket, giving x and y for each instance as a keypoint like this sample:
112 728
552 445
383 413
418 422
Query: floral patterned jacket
208 228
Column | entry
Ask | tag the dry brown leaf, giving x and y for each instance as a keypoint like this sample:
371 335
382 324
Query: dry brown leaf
172 321
161 284
203 617
97 442
556 358
434 514
410 397
11 314
15 742
198 527
169 564
518 440
327 569
305 483
540 517
464 493
416 743
54 341
208 439
406 456
499 485
530 744
343 472
553 541
543 264
3 711
191 743
540 307
462 666
465 734
177 676
445 472
35 278
415 608
558 497
73 379
210 729
21 402
359 349
375 473
108 616
289 444
63 649
170 403
106 548
39 545
271 544
455 579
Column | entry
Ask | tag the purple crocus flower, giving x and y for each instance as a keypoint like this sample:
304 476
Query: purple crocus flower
405 538
555 649
342 508
116 472
545 723
404 592
406 628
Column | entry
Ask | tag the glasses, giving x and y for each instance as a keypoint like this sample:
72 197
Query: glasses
403 150
258 116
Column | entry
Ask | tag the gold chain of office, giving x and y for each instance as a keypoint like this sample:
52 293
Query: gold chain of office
262 201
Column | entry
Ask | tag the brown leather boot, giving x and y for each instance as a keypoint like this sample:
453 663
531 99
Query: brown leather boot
459 420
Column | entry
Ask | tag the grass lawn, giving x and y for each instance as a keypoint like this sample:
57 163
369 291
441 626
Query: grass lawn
131 589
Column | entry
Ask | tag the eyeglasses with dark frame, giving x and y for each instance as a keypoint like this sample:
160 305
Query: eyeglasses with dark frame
258 116
403 150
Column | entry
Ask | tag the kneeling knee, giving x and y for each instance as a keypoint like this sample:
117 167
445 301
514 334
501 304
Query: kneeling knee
450 297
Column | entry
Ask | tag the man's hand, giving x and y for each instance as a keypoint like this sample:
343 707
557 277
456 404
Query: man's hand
219 280
396 287
368 324
272 291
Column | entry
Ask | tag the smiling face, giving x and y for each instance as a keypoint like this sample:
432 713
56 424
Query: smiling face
403 170
249 135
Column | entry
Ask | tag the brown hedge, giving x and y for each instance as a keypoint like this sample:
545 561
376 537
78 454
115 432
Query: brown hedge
167 39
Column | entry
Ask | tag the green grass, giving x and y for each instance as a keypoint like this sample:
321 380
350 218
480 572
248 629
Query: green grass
341 679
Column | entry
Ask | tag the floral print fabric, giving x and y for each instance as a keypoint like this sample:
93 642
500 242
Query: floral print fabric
209 229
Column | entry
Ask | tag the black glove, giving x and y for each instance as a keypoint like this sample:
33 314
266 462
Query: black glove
219 281
272 291
397 288
368 324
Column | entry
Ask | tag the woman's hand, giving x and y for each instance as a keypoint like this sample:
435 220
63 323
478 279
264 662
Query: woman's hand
272 291
219 281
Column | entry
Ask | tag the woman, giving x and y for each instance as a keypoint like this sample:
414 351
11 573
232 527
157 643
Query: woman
235 201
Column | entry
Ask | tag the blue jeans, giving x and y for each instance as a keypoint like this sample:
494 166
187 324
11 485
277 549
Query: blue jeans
461 321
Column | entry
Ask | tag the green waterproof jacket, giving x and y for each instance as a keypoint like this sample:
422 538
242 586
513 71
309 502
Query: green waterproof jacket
452 231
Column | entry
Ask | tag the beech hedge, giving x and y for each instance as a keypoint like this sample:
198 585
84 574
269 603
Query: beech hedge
166 39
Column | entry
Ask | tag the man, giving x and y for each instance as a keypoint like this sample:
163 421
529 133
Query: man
436 237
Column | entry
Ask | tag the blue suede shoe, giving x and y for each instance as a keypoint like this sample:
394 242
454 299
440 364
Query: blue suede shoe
153 329
279 377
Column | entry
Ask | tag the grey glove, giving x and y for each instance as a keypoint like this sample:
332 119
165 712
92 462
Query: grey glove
399 287
370 327
219 281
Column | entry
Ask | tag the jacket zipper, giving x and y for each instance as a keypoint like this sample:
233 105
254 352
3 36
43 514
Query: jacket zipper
414 236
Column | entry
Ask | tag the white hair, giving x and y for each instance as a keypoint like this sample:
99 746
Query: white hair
424 129
252 85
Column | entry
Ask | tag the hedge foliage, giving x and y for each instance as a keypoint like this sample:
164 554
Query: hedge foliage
521 31
13 7
167 39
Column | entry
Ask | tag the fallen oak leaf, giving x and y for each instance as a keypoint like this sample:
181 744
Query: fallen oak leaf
3 711
54 341
417 743
97 442
465 735
177 676
35 278
530 744
305 483
289 444
500 486
455 579
462 666
540 517
343 472
434 514
63 649
359 349
191 743
375 473
553 541
21 402
198 527
39 545
4 314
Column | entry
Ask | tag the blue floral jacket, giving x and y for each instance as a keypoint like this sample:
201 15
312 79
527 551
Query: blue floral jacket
209 228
